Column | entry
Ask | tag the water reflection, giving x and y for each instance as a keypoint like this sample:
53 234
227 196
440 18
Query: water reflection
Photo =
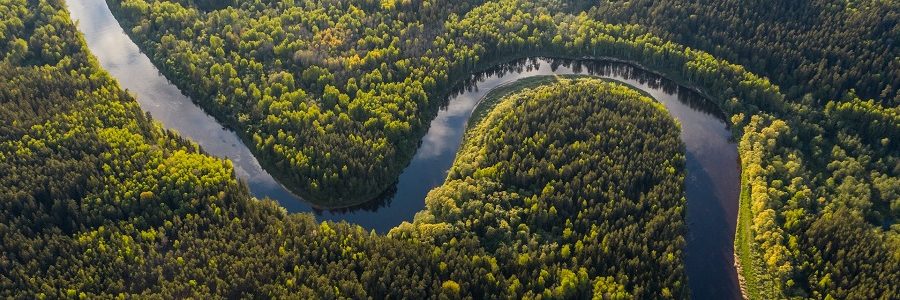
164 101
381 201
712 166
599 68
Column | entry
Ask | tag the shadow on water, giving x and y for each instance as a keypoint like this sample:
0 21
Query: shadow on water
383 200
712 190
707 260
599 68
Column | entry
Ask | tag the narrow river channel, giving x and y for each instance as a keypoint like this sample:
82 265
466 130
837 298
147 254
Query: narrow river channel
713 175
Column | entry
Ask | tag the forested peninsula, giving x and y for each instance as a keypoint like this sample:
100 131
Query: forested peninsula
569 188
142 212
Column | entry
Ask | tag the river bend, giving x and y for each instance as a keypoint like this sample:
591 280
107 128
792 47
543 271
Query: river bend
713 174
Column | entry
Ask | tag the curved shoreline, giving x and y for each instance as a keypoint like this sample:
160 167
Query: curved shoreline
492 98
460 103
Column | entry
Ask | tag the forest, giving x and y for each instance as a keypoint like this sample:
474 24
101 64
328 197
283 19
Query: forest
142 212
577 174
334 96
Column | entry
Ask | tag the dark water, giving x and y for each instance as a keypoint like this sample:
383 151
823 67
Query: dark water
712 183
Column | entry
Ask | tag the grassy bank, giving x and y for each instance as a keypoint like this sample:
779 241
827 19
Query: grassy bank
747 272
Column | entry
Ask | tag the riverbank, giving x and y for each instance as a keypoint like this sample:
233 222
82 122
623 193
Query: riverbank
742 239
706 137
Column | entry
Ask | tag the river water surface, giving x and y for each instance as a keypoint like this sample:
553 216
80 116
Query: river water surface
712 182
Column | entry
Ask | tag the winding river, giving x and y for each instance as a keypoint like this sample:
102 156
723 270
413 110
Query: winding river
712 182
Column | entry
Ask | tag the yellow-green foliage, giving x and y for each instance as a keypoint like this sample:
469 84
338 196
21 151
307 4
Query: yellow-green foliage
333 94
538 171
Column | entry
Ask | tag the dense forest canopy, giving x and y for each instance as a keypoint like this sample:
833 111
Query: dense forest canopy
583 174
141 212
333 96
820 47
818 144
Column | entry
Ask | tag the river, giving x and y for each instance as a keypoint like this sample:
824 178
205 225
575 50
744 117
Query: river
713 174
